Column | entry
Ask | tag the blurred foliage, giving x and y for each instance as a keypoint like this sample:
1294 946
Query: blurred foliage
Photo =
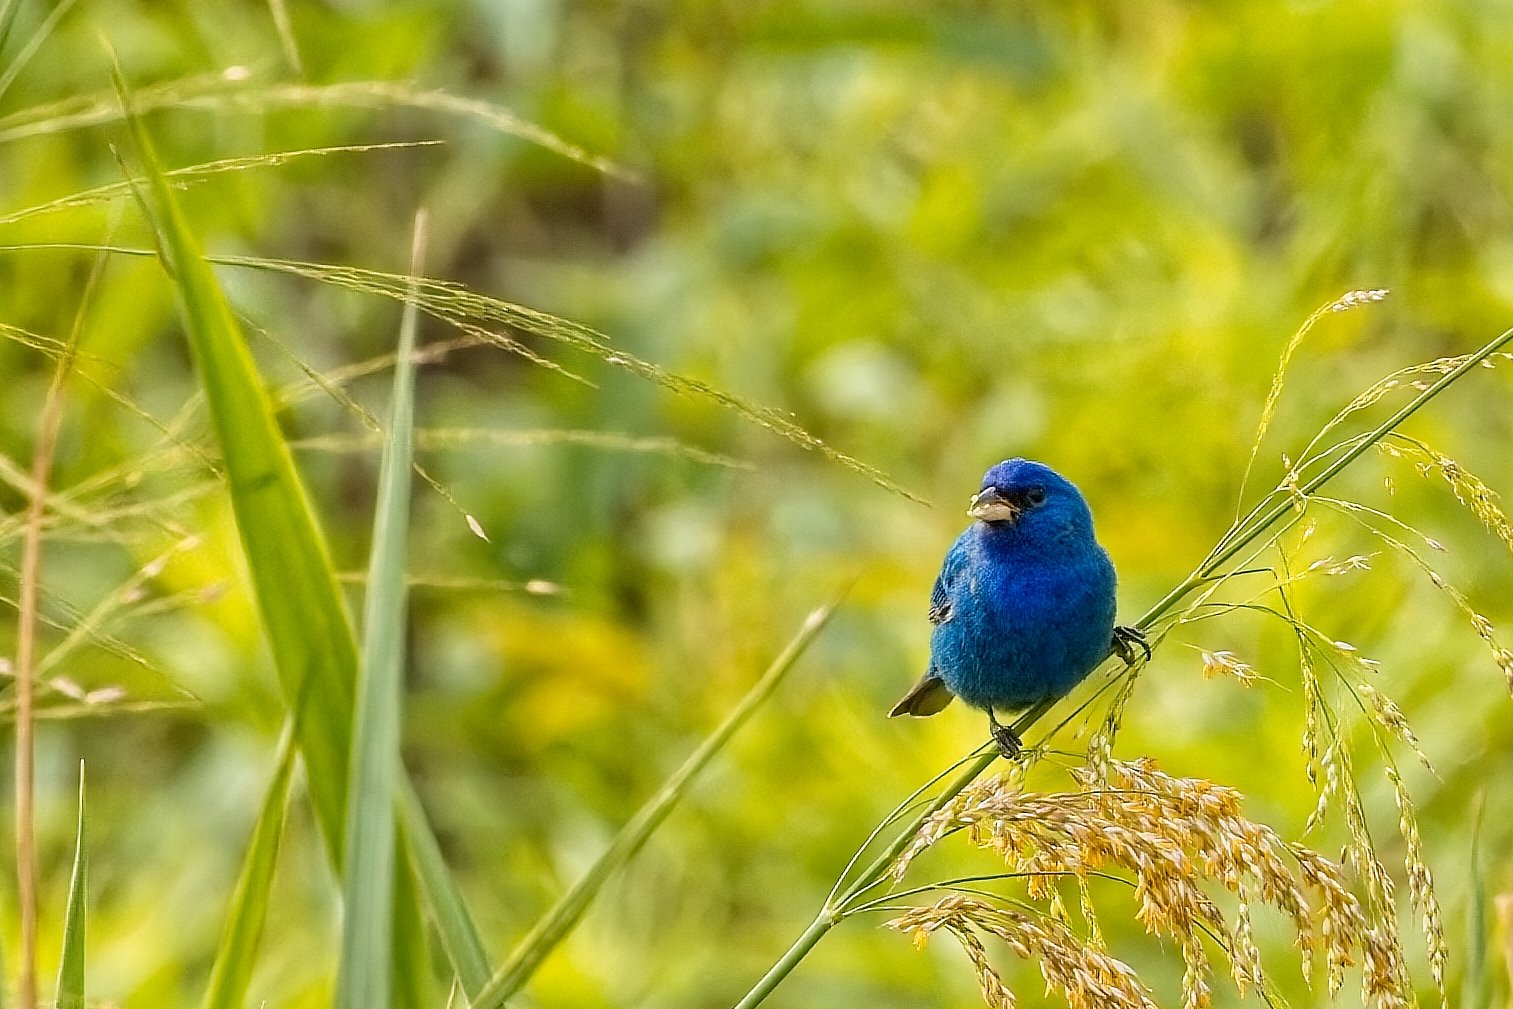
939 235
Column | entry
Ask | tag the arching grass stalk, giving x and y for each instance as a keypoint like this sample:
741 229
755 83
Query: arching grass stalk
1293 489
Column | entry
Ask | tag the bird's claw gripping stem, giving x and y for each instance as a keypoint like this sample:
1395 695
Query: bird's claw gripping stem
1009 743
1126 640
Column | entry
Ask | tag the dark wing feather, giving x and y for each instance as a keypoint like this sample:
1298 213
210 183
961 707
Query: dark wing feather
929 695
951 572
940 605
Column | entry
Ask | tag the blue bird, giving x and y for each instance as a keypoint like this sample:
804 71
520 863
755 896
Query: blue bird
1024 605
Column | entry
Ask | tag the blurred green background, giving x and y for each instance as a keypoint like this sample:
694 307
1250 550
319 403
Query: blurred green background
939 235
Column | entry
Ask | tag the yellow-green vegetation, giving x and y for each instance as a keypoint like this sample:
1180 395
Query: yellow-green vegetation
415 677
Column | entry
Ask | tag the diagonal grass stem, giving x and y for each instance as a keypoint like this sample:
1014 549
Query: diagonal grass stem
564 915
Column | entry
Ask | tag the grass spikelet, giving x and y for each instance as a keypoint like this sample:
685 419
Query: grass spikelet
1087 977
1345 302
440 439
1411 378
1313 702
1382 978
181 177
1169 837
230 90
1245 955
1478 620
1421 882
1504 659
1339 916
1100 748
471 313
1354 299
1384 711
1468 488
994 992
1222 663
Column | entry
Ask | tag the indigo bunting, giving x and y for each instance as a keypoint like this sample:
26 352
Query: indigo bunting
1024 605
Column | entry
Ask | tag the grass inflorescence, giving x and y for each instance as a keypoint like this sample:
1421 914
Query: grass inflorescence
1170 838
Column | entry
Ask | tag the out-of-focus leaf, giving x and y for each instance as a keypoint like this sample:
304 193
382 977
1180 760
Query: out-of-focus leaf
71 963
295 585
236 953
362 978
555 925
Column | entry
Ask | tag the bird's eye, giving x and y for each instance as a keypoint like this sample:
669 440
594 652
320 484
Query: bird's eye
1035 496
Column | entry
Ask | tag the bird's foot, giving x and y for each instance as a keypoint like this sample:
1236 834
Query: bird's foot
1009 743
1126 641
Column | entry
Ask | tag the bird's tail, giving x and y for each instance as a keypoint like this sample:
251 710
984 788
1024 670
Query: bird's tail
929 695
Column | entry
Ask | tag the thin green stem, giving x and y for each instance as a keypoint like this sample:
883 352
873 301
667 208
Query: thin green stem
1239 535
513 974
898 810
807 940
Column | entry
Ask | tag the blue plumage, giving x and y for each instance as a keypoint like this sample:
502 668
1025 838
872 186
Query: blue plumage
1024 605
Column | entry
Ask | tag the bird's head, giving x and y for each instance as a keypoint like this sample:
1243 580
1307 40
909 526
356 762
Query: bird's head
1030 496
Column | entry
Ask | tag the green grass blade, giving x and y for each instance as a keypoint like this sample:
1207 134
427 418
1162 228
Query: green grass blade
8 9
1476 988
71 964
294 583
564 915
362 978
236 952
32 45
413 969
459 936
306 623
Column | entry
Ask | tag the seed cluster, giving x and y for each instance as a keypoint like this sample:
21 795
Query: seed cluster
1171 838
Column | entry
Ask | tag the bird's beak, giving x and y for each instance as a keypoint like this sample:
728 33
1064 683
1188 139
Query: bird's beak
991 506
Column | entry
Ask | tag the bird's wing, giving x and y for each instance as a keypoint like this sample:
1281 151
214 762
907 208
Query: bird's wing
929 695
944 592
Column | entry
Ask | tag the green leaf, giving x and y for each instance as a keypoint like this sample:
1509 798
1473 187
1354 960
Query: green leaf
71 964
459 936
295 586
294 582
33 44
8 11
411 986
362 978
564 915
236 953
1476 989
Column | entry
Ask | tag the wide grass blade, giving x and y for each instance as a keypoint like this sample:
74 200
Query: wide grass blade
362 978
71 963
236 953
459 936
295 586
293 580
564 915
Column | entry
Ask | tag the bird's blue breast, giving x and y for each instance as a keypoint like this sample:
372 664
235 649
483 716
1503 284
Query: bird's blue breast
1023 623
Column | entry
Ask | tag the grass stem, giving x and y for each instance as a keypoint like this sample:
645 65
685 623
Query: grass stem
26 650
559 921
